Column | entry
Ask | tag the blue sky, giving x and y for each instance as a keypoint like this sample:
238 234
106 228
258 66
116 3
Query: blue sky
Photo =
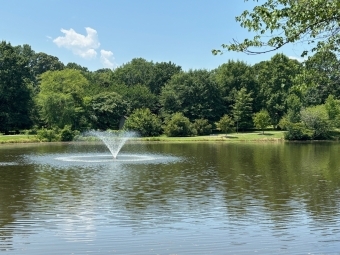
109 33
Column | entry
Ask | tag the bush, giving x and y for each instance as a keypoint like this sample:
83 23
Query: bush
48 135
179 125
56 135
144 122
261 119
297 131
32 131
67 134
202 127
316 119
225 124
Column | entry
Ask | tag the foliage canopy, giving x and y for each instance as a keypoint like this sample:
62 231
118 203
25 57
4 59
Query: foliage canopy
279 22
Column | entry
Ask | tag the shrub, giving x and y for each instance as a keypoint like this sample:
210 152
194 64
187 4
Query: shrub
316 119
262 119
67 134
297 131
225 124
48 135
144 122
179 125
56 135
32 131
202 127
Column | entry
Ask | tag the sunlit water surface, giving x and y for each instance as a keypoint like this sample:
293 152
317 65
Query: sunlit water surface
195 198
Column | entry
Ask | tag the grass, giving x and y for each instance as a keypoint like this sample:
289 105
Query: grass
250 136
18 139
232 137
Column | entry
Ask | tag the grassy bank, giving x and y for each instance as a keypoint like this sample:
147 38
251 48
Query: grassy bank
253 136
18 139
232 137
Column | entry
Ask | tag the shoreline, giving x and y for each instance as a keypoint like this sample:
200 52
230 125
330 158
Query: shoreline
251 137
255 136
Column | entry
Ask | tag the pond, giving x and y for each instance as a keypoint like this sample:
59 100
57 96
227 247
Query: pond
170 198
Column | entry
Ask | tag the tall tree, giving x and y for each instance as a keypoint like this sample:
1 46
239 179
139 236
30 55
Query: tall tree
234 75
195 94
106 110
140 96
61 97
162 73
242 109
294 106
142 72
100 81
276 78
75 66
322 76
42 62
38 63
138 71
280 22
15 95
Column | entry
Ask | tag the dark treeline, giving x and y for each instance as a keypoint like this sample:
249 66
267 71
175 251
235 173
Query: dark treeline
38 92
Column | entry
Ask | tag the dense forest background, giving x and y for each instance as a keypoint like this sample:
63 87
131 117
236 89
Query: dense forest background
39 93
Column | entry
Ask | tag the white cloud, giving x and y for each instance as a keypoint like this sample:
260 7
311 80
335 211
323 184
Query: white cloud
80 45
107 59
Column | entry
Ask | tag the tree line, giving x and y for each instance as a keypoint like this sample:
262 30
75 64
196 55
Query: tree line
39 93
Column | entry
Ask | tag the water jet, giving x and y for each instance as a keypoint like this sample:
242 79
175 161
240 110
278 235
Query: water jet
113 140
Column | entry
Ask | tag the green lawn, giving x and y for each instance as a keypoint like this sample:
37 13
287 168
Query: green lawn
18 138
232 137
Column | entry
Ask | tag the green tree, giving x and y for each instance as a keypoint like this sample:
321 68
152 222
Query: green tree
100 81
179 125
195 94
139 96
137 71
61 97
141 72
225 124
242 109
42 62
297 131
316 119
234 75
276 78
332 107
15 94
144 122
261 119
106 110
280 22
75 66
202 127
162 73
294 106
322 77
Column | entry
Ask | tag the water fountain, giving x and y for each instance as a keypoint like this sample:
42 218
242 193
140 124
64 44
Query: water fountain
114 140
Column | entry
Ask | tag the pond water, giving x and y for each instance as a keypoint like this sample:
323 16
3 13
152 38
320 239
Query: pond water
163 198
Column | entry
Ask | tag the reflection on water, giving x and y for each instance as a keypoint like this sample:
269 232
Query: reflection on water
195 198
